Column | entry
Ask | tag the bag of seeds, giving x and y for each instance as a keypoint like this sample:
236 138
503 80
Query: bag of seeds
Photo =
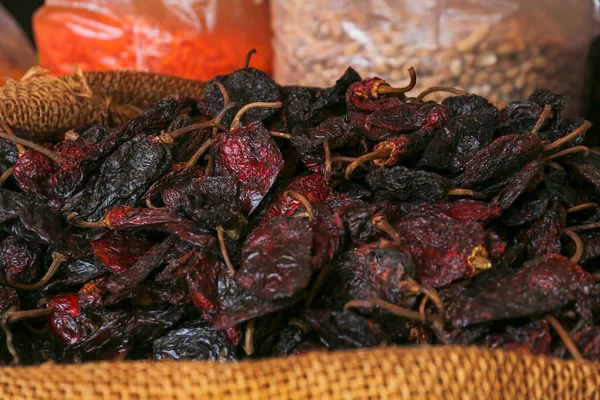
500 49
16 54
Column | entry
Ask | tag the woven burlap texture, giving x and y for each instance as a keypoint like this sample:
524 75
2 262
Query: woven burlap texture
47 106
142 89
382 373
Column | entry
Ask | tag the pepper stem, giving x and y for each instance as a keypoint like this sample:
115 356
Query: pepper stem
281 135
223 93
546 113
193 127
586 227
314 290
194 159
221 238
210 165
392 308
358 304
235 124
249 338
422 309
465 192
13 316
327 151
412 287
383 152
248 57
435 89
34 146
6 128
384 88
581 207
554 165
9 344
478 258
57 260
73 220
150 205
383 225
572 150
5 175
305 202
579 131
576 257
564 336
226 106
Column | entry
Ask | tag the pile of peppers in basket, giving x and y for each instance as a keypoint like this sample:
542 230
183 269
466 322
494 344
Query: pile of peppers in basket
269 221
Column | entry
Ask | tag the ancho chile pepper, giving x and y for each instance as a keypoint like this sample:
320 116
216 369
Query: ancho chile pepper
267 221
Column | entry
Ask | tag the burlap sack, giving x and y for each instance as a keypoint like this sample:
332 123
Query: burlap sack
383 373
48 106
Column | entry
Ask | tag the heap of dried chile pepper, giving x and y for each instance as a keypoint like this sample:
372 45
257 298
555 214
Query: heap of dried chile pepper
269 221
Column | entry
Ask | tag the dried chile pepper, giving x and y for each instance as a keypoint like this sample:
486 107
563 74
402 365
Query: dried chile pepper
538 286
251 156
364 221
406 184
214 201
522 115
243 86
455 143
276 258
543 235
465 209
525 211
33 221
75 272
194 340
118 251
124 178
501 157
531 338
314 144
343 329
471 105
418 118
373 94
368 270
126 281
444 249
221 300
125 218
122 334
314 187
176 182
20 259
33 171
522 181
66 322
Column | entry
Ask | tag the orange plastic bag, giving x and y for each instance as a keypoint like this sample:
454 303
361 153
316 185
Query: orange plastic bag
195 39
16 53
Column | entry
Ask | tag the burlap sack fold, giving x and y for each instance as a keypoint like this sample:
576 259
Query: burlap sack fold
47 106
442 372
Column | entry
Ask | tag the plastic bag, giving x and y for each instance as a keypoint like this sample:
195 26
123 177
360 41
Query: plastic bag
16 53
195 39
501 49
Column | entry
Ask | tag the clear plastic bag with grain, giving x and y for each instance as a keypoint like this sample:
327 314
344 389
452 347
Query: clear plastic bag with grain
16 53
501 49
195 39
